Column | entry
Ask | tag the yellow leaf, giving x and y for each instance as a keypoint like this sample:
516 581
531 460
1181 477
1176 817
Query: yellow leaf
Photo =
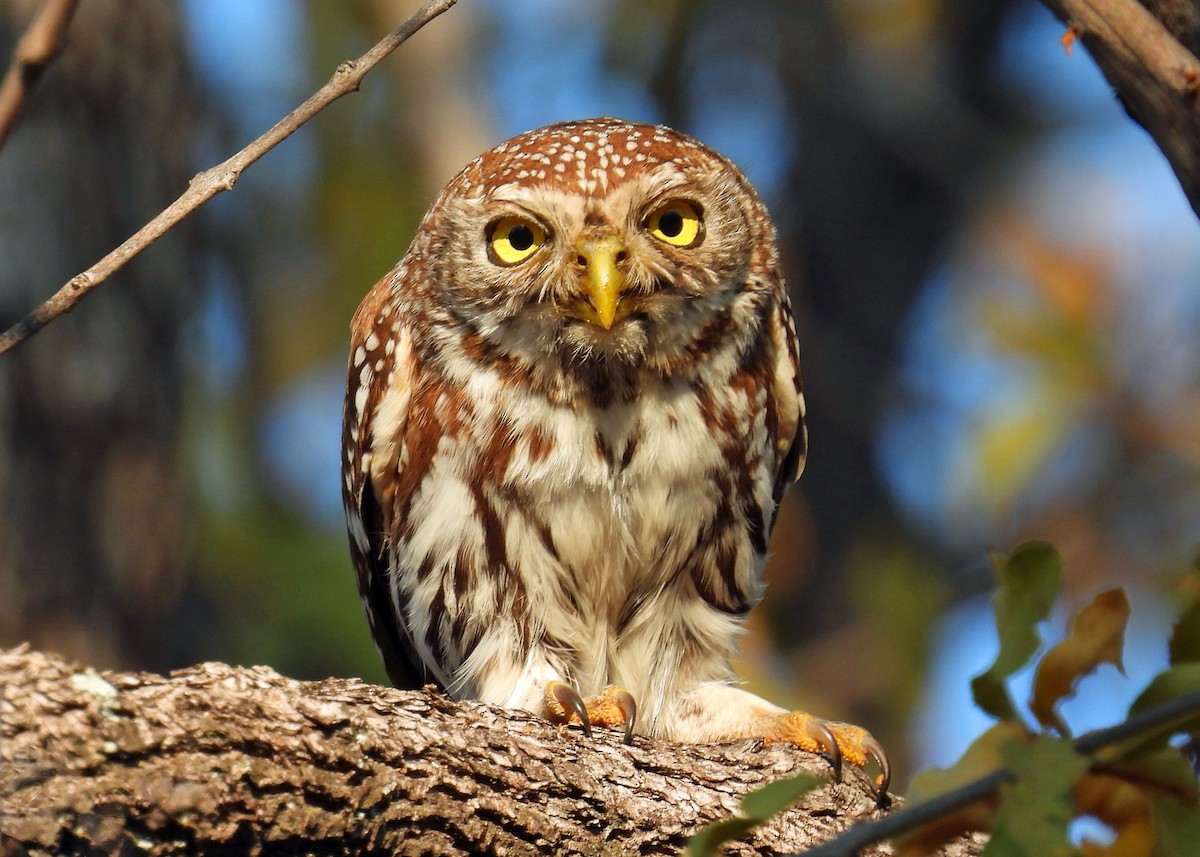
1124 808
1097 636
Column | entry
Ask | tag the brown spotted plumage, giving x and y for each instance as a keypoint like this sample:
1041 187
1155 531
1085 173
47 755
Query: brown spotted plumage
573 407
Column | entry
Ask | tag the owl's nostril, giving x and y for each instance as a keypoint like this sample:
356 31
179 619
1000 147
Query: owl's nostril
581 260
621 255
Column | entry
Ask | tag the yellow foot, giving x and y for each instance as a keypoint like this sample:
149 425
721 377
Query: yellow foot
837 740
613 706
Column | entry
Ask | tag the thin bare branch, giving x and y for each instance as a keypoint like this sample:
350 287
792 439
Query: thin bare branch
222 177
1157 77
42 42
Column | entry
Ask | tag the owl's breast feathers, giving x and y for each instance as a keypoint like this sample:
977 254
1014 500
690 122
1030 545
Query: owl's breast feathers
486 516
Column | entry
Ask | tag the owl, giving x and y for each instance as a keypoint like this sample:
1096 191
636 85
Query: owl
572 409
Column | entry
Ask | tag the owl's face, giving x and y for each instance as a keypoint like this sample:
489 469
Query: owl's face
599 241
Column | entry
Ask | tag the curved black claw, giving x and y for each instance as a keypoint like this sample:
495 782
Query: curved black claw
818 730
885 768
628 708
571 702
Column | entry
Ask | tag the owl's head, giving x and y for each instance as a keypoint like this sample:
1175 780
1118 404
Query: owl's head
601 240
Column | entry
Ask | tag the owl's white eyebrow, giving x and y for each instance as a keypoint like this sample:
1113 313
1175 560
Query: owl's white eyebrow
518 195
501 205
543 204
674 184
520 206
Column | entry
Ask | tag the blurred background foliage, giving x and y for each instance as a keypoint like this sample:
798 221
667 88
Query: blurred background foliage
996 276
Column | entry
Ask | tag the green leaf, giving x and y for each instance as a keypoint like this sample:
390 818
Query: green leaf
774 798
991 694
1173 682
758 806
1176 825
1029 580
1166 769
1097 636
1185 639
980 759
1167 685
1036 808
708 841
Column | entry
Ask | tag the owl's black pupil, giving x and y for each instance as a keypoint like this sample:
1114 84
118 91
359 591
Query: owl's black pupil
520 237
670 223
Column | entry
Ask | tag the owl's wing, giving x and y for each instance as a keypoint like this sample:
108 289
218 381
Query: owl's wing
373 424
791 439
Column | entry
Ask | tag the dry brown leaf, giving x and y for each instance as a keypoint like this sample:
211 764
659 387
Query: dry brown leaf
1124 808
1097 636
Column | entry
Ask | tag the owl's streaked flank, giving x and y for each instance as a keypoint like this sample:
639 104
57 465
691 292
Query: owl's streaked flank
573 408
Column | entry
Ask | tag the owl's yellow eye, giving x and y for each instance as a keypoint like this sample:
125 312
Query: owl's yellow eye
677 223
513 239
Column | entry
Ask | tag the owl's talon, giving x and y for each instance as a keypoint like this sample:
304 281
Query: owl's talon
819 731
564 703
616 708
625 702
875 750
840 742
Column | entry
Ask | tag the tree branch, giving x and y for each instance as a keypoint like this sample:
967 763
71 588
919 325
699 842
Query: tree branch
1156 76
40 45
212 181
220 758
1181 18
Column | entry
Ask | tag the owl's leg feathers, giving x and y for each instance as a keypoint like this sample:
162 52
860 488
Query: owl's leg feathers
721 712
613 706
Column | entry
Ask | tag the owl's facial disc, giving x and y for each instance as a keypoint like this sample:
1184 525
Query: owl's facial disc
601 260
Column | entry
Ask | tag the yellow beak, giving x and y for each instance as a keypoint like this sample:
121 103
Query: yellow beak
603 282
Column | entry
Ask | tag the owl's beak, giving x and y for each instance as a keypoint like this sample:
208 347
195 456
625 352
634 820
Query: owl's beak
603 282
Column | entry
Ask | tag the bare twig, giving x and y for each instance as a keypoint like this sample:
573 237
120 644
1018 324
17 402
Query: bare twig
39 46
1157 77
222 177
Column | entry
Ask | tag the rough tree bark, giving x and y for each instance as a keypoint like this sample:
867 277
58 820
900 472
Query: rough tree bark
231 760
